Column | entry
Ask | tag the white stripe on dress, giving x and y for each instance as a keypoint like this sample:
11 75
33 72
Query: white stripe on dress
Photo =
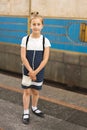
37 83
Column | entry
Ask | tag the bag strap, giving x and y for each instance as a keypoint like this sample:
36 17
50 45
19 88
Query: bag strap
43 42
27 40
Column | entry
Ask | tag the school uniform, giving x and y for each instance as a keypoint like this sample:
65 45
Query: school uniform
34 54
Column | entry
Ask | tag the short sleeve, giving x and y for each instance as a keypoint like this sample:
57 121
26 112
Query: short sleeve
23 41
47 43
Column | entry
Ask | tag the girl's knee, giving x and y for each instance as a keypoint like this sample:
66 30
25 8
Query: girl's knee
27 92
35 92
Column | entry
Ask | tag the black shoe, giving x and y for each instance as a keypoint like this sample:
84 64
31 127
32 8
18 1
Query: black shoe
26 120
40 114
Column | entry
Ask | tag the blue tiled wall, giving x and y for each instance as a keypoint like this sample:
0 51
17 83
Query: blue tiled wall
12 29
64 34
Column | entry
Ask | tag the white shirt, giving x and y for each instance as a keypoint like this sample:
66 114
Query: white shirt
35 43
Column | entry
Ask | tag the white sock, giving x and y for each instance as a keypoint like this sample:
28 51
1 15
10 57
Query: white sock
26 112
34 108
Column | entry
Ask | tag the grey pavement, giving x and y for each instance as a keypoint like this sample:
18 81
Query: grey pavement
57 116
10 120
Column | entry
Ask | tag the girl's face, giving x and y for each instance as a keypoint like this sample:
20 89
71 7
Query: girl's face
36 25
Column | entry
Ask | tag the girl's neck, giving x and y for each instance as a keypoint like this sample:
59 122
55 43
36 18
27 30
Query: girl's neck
35 35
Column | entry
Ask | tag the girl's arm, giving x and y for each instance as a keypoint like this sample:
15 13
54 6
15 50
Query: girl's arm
26 63
24 59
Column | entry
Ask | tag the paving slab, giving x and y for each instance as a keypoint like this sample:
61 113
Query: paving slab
58 116
10 119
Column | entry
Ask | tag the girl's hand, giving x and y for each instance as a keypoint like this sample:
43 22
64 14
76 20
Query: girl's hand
32 75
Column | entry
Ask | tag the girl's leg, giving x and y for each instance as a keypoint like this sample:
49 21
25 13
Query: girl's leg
26 98
35 97
26 102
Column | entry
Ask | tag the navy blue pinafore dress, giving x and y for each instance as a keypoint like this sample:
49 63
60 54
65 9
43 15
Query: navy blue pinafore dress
34 57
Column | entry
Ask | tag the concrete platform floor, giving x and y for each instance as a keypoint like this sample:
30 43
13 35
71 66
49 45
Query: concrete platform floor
64 110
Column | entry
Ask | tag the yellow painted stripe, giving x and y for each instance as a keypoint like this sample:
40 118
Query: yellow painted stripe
11 88
66 104
59 102
1 129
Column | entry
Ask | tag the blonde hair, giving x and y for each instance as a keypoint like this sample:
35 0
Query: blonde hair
36 15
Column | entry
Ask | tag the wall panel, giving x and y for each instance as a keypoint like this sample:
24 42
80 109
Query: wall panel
12 29
14 7
61 8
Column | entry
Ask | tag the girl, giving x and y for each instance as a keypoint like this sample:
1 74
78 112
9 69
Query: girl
34 58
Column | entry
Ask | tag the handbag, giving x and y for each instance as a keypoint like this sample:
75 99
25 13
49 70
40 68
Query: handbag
26 80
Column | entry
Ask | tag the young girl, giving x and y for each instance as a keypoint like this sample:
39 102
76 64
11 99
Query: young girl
34 58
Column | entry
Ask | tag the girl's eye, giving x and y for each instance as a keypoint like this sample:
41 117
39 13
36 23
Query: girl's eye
34 24
38 24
